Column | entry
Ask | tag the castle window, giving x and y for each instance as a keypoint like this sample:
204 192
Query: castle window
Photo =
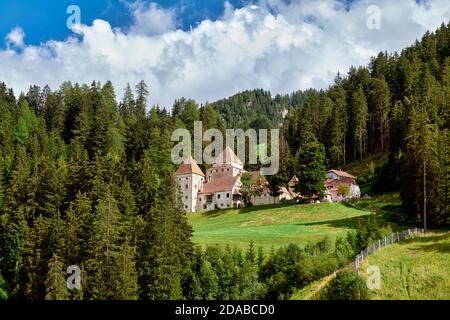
186 197
185 207
199 199
205 207
187 186
228 195
218 196
222 170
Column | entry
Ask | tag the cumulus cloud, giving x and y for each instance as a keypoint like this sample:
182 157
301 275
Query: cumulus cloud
15 37
273 45
150 19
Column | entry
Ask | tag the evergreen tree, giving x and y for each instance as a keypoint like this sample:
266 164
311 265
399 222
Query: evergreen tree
359 120
338 127
311 167
55 282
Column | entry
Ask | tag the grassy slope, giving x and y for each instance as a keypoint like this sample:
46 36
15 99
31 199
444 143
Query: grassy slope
280 225
269 226
414 269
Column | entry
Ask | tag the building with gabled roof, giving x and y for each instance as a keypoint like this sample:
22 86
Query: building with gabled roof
336 178
219 187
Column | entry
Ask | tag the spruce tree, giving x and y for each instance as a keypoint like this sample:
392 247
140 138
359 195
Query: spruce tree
359 121
311 167
55 282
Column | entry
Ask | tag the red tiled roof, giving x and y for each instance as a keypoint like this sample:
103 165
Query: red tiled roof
189 166
220 185
342 174
332 185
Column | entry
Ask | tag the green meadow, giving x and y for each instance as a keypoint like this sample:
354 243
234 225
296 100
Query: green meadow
414 269
274 226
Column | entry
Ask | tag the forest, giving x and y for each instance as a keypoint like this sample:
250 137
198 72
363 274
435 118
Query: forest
87 180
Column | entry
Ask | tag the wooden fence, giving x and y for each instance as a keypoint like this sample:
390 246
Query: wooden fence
382 243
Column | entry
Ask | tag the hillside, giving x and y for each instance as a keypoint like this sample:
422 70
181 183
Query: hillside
275 226
414 269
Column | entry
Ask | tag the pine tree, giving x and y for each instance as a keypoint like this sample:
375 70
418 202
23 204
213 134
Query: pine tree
104 249
250 256
165 246
127 280
359 121
311 167
379 98
421 157
338 127
55 282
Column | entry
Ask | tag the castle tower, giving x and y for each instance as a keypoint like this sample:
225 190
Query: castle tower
226 164
190 178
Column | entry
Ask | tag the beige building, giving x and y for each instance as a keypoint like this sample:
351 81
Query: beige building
219 187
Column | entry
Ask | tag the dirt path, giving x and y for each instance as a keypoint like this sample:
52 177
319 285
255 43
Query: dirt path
323 282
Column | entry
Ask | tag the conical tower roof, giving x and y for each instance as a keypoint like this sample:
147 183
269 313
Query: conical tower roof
227 157
189 166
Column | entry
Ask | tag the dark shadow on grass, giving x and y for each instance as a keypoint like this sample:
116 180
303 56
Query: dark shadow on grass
389 212
428 244
218 212
350 223
266 207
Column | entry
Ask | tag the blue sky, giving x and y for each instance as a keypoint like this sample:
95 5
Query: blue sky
43 20
204 49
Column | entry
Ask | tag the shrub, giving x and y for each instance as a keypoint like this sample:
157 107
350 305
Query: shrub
346 286
344 190
3 289
343 250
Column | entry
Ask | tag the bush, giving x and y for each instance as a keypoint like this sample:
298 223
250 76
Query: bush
343 250
3 289
346 286
344 190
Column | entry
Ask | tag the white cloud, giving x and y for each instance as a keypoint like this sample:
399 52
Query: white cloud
15 37
302 46
150 19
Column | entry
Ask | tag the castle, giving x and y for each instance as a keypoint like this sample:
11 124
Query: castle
219 188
